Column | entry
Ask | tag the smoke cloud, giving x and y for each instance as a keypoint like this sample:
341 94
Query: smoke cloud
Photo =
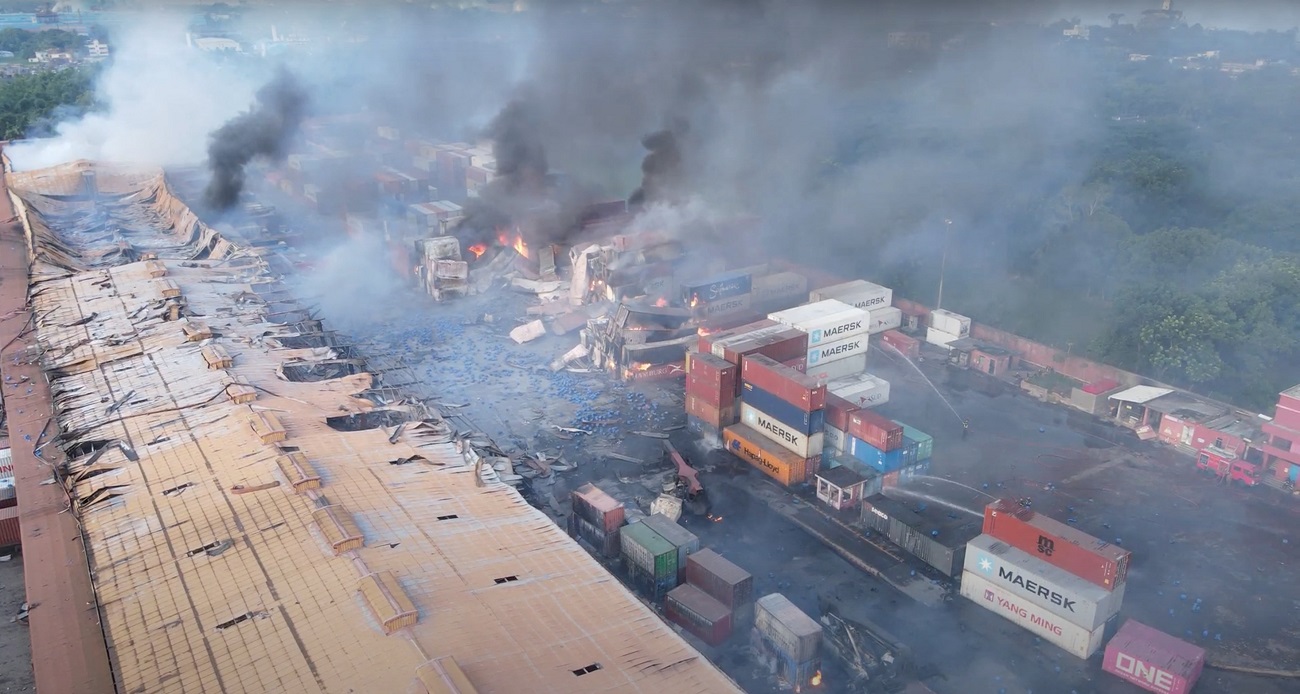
661 170
263 131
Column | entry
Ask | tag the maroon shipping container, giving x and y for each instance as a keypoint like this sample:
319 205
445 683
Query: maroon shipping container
875 430
597 508
717 417
1057 543
720 579
712 378
907 345
800 364
10 529
606 544
699 614
783 346
1153 660
716 394
708 339
838 410
784 382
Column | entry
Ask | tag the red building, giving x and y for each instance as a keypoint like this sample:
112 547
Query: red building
1281 444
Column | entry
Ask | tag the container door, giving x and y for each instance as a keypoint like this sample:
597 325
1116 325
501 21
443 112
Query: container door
1186 438
993 367
1294 473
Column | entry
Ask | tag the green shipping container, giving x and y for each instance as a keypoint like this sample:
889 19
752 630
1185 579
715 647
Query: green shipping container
649 551
925 447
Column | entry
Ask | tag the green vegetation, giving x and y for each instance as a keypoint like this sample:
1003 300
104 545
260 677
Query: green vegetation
26 100
24 43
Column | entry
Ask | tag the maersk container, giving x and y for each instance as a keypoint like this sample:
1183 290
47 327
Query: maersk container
826 372
698 613
787 437
857 293
730 306
883 319
1052 588
925 442
1153 660
863 390
792 416
793 633
835 351
1071 638
684 540
826 321
647 550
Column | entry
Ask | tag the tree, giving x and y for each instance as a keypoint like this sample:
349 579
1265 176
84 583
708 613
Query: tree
27 99
1181 346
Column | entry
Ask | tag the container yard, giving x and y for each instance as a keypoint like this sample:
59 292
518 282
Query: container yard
935 535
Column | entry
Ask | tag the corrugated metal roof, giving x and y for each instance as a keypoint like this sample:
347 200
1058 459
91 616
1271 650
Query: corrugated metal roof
1140 394
214 573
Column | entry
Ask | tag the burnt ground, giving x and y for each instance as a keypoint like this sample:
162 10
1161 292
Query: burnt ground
15 643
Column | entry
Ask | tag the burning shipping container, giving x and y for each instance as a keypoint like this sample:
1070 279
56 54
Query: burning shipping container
1057 543
1153 660
699 614
787 639
1073 639
716 288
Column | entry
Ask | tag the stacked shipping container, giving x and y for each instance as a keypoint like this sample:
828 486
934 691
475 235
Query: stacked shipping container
1057 543
929 534
786 639
684 540
596 518
716 597
650 560
782 417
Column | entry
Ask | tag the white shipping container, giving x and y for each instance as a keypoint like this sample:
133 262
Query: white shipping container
839 368
825 321
724 307
779 286
1052 588
789 438
863 390
1072 638
833 439
858 294
843 349
720 346
940 338
883 319
949 322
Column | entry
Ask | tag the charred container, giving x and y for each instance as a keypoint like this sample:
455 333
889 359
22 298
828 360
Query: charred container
927 533
723 581
698 613
598 508
786 640
1057 543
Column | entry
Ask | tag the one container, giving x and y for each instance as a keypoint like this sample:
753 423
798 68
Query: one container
799 364
857 293
925 442
784 382
789 438
927 533
792 416
715 342
797 674
1073 639
684 540
1052 588
1057 543
837 368
876 430
773 460
723 307
825 321
834 440
949 322
832 351
886 318
722 580
698 613
838 410
1153 660
647 550
902 343
598 508
723 286
780 286
717 417
863 390
796 634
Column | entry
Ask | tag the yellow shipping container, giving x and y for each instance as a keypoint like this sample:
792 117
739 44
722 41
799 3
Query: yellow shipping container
775 461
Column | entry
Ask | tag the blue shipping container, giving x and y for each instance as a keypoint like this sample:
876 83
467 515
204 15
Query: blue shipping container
876 458
790 415
925 441
711 435
716 288
782 664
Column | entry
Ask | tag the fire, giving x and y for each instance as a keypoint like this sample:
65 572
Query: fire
695 301
642 367
817 679
503 237
661 302
520 246
478 249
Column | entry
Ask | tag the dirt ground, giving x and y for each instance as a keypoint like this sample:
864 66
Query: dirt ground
15 646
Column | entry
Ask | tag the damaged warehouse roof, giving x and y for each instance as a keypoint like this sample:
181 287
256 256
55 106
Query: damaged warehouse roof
245 531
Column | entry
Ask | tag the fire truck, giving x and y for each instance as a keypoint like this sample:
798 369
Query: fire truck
1228 468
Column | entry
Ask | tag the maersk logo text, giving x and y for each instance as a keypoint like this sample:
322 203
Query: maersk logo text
1034 588
846 348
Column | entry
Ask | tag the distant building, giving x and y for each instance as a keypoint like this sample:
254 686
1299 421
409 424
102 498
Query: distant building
1281 446
213 43
50 57
1238 68
96 50
1078 31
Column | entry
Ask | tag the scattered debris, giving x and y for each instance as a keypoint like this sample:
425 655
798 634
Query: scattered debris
570 430
528 332
626 458
651 434
578 352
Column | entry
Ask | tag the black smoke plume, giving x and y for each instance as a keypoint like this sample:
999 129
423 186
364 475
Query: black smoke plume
661 170
262 131
517 146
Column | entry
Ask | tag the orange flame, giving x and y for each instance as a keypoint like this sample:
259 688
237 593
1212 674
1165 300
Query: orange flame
661 302
695 301
503 237
642 367
520 246
817 679
478 249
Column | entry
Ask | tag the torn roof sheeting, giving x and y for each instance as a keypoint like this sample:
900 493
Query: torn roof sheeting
214 495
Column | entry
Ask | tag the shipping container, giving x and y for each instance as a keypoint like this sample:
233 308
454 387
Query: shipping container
940 338
876 430
883 461
773 460
834 440
597 507
781 287
794 633
1052 588
1057 543
784 382
722 580
654 588
710 435
910 472
825 321
648 551
11 532
789 438
1073 639
950 323
1153 660
717 417
606 544
925 442
930 533
699 614
857 293
863 390
902 343
711 368
832 351
709 340
836 369
781 346
769 655
799 364
790 415
729 306
684 540
883 319
723 286
838 410
717 395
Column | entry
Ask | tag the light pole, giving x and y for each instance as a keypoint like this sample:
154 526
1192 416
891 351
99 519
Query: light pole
943 262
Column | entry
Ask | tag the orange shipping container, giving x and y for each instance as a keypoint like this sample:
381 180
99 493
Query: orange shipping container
718 417
775 461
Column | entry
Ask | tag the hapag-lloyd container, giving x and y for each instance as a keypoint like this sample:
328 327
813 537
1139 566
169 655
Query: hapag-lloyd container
825 321
1153 660
843 349
1052 588
1071 638
885 318
774 461
801 444
863 390
784 382
791 415
857 293
1057 543
875 430
836 369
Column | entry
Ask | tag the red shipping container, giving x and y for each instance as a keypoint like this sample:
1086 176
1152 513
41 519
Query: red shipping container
800 364
1153 660
783 346
699 614
708 339
711 369
1057 543
909 346
10 529
598 508
717 417
720 579
875 430
784 382
838 410
716 394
